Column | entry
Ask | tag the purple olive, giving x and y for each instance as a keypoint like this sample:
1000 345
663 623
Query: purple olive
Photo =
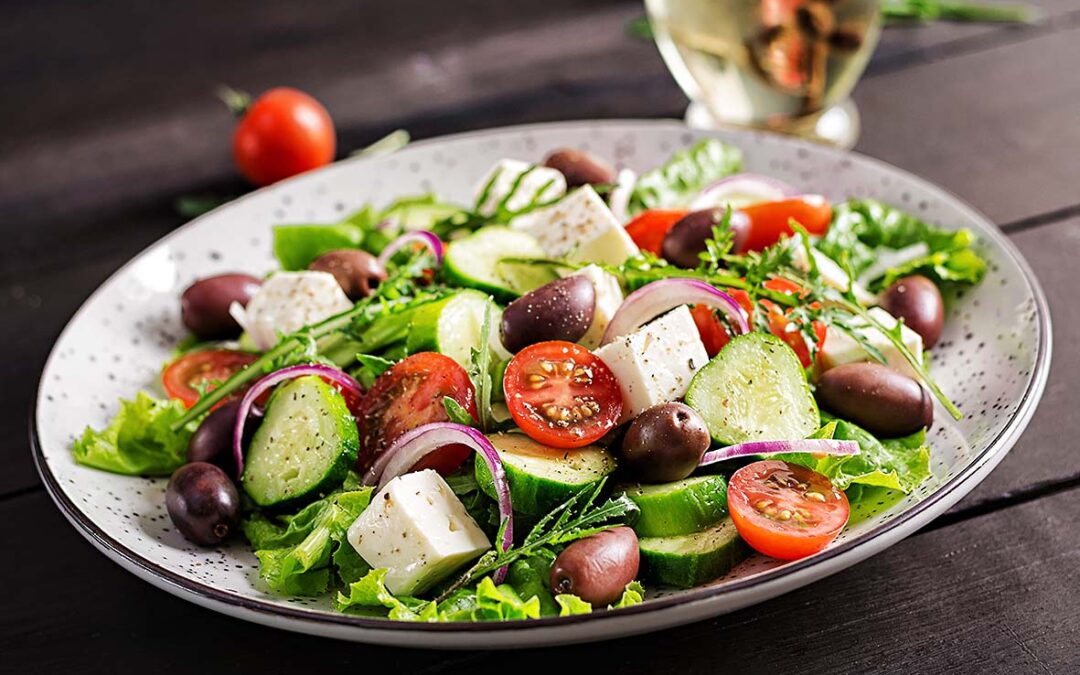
560 310
580 168
204 306
665 443
877 398
685 241
212 441
597 568
203 503
918 302
357 272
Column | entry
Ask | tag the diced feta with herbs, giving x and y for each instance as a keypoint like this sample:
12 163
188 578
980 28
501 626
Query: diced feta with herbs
516 185
655 363
841 348
831 273
581 228
609 297
418 530
288 301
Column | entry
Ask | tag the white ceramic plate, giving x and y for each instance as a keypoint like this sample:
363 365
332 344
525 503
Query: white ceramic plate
993 359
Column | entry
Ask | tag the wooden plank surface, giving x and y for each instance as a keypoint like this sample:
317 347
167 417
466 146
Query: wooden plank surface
989 595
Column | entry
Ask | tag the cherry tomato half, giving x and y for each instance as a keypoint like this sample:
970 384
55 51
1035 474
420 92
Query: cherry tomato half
282 133
409 395
785 510
712 329
561 394
789 331
649 228
184 377
769 220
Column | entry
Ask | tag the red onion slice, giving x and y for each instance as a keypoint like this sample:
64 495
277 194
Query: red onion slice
417 443
818 446
336 376
428 239
658 297
741 190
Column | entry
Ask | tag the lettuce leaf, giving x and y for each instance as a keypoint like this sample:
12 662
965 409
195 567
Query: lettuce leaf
137 441
896 464
487 602
572 604
679 180
865 230
369 596
296 553
296 246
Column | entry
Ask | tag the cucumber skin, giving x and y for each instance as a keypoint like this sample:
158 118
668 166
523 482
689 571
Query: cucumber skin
455 275
692 399
688 570
530 494
338 470
696 507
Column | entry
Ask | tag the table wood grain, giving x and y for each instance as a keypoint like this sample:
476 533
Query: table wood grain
109 116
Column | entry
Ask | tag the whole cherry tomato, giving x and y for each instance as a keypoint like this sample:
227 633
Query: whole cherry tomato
282 133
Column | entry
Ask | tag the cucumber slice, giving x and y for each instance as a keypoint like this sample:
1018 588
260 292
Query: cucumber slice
755 389
540 477
452 326
475 262
682 507
692 559
304 447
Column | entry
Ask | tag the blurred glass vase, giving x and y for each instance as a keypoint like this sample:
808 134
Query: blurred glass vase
783 65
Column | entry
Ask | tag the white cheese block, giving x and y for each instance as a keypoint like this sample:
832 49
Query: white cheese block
541 184
655 363
841 348
831 273
609 297
580 227
417 529
288 301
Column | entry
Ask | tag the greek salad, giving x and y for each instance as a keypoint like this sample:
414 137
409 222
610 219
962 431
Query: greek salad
584 384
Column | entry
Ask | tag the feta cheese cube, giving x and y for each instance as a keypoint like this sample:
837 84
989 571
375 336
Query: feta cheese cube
580 227
417 529
541 184
655 363
841 348
609 297
831 273
288 301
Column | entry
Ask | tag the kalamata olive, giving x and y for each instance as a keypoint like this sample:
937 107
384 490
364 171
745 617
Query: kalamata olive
918 302
665 443
357 272
877 398
212 441
685 241
597 568
203 503
560 310
204 306
580 168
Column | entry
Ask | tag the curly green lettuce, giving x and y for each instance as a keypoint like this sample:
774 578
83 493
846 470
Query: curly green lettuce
138 440
679 180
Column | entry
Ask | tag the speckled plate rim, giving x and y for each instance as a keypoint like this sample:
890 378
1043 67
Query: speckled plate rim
654 615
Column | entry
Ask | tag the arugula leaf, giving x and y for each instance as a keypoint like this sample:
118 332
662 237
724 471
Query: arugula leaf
480 371
371 367
684 175
866 230
897 464
295 554
457 412
139 440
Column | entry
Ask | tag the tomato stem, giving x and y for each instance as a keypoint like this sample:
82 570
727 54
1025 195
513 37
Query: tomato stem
237 101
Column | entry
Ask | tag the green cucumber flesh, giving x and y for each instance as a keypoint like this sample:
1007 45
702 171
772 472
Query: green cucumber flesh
304 447
681 507
475 261
755 389
452 326
541 477
690 560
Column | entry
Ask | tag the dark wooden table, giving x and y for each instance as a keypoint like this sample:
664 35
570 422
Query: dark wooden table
108 116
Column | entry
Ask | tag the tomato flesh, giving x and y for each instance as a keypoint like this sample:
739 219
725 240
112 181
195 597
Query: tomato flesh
769 221
650 227
712 329
282 133
784 510
408 395
561 394
184 377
